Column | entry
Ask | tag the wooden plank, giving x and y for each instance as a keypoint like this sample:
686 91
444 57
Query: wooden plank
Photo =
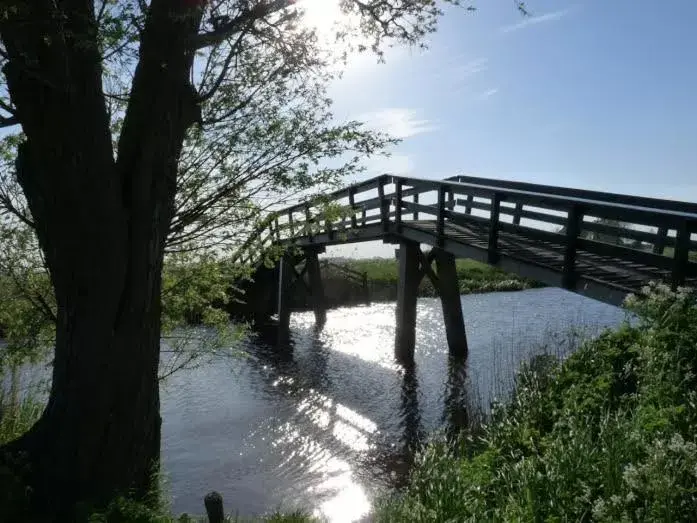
418 207
623 253
622 232
607 197
543 217
484 206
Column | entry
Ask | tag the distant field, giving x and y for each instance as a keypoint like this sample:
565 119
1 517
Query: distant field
472 277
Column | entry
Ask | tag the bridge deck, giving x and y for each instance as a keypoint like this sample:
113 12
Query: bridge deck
598 244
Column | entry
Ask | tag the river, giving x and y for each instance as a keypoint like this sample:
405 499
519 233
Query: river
332 422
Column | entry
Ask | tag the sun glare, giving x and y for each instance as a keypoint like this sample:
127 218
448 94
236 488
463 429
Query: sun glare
321 14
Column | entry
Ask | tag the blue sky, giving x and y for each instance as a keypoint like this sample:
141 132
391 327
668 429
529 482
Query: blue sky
592 94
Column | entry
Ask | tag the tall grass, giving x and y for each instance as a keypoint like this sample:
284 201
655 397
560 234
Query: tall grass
19 409
609 434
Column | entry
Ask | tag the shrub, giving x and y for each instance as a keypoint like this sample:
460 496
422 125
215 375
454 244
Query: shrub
607 435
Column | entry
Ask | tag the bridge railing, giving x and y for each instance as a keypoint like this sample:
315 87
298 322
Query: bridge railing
646 231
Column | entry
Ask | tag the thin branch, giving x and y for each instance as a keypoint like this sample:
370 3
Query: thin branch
8 121
236 25
226 66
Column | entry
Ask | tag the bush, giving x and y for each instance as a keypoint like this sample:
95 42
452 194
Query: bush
607 435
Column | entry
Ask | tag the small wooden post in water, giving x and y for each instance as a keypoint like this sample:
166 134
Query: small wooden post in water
214 507
284 276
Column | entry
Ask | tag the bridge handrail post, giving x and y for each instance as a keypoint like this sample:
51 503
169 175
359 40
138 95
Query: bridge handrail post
308 223
398 205
277 229
416 201
440 220
384 205
681 253
517 212
573 233
468 205
660 243
352 205
492 250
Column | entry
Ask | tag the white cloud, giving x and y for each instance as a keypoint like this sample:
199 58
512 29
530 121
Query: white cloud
462 72
397 122
534 20
488 93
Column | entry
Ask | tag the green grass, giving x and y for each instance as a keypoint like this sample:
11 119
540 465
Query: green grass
17 417
607 435
473 277
670 252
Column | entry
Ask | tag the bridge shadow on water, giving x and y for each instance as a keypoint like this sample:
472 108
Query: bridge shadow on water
370 415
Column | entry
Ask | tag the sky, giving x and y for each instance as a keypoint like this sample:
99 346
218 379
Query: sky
592 94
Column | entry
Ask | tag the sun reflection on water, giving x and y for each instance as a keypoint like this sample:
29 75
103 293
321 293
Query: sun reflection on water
342 498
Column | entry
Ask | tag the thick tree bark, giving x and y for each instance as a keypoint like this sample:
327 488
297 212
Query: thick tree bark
102 224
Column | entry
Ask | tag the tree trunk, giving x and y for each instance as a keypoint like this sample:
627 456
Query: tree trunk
102 224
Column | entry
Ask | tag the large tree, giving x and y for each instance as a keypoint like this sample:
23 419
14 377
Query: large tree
102 206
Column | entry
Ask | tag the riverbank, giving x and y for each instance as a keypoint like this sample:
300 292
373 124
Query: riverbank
607 435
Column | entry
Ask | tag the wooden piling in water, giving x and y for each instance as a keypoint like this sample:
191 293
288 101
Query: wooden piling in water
407 290
449 291
314 273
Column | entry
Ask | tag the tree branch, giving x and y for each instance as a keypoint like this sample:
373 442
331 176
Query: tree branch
237 24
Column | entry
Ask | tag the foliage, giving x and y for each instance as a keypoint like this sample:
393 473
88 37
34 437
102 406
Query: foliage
27 305
194 325
608 435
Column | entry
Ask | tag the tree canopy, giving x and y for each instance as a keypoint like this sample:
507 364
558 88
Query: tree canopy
146 127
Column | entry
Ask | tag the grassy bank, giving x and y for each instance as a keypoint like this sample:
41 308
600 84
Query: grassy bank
473 277
607 435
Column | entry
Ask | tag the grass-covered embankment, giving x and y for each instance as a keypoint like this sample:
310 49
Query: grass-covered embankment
608 435
473 277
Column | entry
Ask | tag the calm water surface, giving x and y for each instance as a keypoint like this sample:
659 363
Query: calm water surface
331 423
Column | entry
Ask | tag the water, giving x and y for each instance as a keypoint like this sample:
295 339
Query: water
334 423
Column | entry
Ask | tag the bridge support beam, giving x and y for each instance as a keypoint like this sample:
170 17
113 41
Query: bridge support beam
449 291
409 278
319 304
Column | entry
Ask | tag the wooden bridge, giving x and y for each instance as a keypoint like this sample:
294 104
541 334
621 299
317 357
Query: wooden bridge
601 245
